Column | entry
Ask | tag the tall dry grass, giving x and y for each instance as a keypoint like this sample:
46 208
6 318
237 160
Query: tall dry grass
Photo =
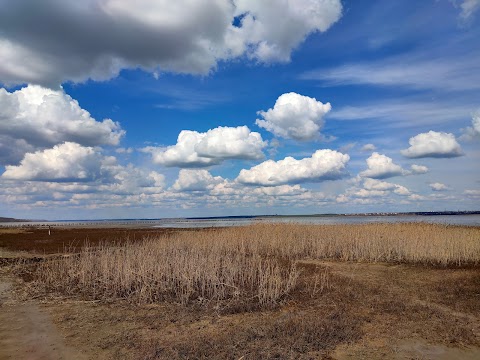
418 243
175 269
253 263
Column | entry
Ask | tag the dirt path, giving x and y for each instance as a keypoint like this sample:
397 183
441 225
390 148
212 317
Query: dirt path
27 332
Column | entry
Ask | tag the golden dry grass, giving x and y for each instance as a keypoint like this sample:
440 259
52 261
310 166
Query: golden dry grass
417 243
249 264
179 270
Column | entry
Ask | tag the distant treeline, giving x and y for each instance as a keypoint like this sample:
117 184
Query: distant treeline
5 219
446 213
412 213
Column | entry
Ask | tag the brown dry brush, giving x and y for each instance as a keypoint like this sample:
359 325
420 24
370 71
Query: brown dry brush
251 264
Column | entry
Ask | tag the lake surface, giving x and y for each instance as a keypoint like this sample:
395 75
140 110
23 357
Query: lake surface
469 220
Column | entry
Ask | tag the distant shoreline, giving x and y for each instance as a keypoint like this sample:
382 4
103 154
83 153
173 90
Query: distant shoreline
6 220
413 213
233 217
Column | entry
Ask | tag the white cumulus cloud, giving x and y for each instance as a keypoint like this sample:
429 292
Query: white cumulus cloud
294 116
418 169
268 38
95 39
196 180
194 149
378 185
381 167
368 147
65 162
372 184
372 191
35 117
438 186
231 143
433 144
322 165
131 180
401 190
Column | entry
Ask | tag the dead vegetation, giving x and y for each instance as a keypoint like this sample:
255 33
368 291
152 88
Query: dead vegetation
269 291
248 264
175 270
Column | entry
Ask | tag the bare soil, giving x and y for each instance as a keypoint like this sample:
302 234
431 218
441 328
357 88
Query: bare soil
366 311
27 331
38 241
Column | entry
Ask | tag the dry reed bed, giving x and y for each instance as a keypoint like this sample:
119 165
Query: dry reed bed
253 263
181 270
416 243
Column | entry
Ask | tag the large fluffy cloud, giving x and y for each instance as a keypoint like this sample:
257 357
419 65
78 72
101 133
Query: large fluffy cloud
65 162
35 117
294 116
323 165
194 149
231 143
60 40
269 38
381 167
433 144
75 174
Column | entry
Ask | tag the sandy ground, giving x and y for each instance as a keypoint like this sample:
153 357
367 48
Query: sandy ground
27 332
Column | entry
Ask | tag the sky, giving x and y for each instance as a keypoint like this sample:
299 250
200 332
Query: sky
196 108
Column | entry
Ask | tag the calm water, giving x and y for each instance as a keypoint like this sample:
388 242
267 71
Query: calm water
469 220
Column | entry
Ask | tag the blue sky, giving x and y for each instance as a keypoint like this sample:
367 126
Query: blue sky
114 109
